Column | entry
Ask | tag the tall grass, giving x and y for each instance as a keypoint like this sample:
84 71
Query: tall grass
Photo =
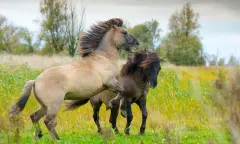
37 61
226 99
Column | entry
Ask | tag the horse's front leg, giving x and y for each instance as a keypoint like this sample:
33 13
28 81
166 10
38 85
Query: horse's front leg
142 105
129 115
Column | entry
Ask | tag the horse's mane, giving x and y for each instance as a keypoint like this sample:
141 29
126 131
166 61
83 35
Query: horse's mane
141 59
91 39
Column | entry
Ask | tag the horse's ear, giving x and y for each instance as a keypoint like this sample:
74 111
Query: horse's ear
114 26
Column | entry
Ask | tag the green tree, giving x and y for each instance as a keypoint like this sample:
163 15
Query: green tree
28 41
147 33
74 27
3 21
213 59
15 39
53 24
233 61
10 39
182 45
221 62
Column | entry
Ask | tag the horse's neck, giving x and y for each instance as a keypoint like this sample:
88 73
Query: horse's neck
111 53
107 49
137 77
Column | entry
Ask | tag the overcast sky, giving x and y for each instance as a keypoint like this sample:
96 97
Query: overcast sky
219 19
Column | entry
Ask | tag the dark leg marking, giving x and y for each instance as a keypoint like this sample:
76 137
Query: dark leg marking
142 105
129 116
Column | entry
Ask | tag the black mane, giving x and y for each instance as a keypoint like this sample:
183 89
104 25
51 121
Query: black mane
140 60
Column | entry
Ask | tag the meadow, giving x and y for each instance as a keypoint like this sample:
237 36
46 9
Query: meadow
180 109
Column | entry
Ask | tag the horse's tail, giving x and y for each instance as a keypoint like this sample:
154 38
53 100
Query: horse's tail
75 104
20 104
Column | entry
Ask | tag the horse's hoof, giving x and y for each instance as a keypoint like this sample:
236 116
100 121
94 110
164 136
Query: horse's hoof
38 135
100 131
140 134
124 114
127 131
116 131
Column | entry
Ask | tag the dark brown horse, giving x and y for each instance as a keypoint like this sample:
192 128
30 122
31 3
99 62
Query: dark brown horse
137 75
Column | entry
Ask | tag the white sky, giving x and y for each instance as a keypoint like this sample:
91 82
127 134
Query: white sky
219 19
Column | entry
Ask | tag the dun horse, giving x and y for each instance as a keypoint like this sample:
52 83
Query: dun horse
95 72
137 75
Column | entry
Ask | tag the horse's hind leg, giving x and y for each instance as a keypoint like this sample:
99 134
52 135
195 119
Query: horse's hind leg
50 119
35 117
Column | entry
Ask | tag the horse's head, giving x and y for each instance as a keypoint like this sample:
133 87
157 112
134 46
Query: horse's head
145 62
151 67
108 32
122 39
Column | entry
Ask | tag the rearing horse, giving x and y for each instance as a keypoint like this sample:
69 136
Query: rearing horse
82 79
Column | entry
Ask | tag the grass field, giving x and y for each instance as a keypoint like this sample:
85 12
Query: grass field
180 111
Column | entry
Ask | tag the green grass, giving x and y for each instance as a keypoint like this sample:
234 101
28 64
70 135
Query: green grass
179 111
189 136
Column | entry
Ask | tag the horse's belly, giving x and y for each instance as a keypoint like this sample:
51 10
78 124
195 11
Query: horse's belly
84 93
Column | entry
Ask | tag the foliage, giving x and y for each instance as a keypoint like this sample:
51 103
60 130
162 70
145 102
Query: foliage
28 41
233 61
53 28
226 99
147 33
74 27
60 26
10 38
182 45
16 40
221 62
214 60
3 21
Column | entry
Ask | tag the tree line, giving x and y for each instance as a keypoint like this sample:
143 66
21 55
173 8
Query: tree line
60 28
